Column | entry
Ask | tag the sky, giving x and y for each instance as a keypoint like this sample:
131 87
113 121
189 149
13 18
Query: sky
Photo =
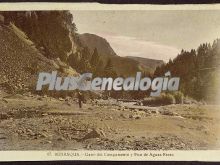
151 34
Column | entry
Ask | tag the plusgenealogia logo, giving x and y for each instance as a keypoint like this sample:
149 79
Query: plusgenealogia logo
87 82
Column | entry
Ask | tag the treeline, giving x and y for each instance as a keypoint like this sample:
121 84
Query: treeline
198 71
52 31
84 61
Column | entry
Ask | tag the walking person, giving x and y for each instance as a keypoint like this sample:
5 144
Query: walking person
80 99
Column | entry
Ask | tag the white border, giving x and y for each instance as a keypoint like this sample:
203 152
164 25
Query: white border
19 6
208 155
191 155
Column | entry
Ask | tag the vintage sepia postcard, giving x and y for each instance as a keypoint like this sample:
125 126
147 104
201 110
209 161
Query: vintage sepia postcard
109 82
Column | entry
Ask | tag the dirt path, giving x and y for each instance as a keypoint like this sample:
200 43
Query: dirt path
33 123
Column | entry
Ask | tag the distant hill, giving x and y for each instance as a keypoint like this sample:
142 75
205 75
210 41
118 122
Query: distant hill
123 65
93 41
149 64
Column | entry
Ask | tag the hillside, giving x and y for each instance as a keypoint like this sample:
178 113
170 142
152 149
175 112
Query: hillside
149 64
21 61
53 32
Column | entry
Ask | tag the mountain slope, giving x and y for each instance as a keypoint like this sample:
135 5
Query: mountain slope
53 32
21 61
93 41
150 64
122 65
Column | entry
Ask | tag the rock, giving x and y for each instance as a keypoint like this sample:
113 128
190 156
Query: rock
110 118
4 100
90 108
40 98
123 116
131 116
61 99
43 135
15 96
136 110
93 134
61 139
169 113
49 142
88 146
30 132
137 117
139 103
178 116
102 133
4 116
155 111
2 138
67 98
68 103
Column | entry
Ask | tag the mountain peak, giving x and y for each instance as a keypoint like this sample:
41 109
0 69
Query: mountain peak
93 41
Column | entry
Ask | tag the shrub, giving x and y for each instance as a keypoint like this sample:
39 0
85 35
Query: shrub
32 68
178 97
163 99
166 99
189 100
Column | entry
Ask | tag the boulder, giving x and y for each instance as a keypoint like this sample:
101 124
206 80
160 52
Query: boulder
155 111
137 117
169 113
61 139
124 116
93 134
61 99
4 116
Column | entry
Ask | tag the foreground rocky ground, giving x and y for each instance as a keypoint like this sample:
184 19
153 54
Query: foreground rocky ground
38 123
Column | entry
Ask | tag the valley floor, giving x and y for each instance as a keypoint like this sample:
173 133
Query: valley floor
42 123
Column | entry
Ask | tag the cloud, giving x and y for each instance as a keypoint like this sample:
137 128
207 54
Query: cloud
130 46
